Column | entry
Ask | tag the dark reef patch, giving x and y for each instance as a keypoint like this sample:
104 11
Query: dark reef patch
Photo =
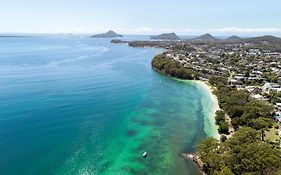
131 133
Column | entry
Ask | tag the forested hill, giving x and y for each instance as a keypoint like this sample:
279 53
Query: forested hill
167 65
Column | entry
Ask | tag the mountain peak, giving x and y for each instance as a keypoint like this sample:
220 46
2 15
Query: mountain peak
109 34
265 38
206 37
233 38
166 36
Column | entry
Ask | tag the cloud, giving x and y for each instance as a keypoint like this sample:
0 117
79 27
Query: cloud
180 31
184 31
246 30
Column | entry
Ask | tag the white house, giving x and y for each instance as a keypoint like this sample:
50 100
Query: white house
278 105
267 87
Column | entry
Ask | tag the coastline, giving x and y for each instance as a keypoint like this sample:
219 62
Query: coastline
210 126
210 122
209 101
177 64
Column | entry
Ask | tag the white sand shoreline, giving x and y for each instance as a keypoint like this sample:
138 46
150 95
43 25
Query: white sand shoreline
215 107
211 122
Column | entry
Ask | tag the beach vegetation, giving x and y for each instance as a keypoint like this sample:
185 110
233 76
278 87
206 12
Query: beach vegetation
223 138
223 128
221 122
244 153
167 65
241 108
220 116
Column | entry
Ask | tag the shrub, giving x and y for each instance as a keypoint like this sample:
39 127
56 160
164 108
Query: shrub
223 138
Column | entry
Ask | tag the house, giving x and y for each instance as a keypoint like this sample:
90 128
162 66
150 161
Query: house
253 89
257 72
238 78
234 82
278 105
254 52
267 87
276 89
278 117
258 97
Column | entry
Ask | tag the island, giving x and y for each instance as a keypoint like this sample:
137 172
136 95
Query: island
109 34
166 36
13 36
118 41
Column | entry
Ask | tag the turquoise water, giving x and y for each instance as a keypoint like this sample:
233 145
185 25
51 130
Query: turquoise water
86 106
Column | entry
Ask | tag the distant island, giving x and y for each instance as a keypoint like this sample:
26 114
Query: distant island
109 34
118 41
166 36
12 36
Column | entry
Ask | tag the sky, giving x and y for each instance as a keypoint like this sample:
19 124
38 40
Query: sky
185 17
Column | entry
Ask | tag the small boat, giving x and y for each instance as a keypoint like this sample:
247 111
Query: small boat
144 154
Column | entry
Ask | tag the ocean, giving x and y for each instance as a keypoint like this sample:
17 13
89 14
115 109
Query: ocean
76 105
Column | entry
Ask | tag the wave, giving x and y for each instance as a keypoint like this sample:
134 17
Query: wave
87 47
92 51
72 60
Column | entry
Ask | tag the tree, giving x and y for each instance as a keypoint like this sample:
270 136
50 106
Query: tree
220 116
233 101
244 135
223 128
235 110
244 153
255 109
206 150
218 81
173 68
235 122
223 138
224 171
261 124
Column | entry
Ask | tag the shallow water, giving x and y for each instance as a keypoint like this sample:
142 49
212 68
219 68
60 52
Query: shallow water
86 106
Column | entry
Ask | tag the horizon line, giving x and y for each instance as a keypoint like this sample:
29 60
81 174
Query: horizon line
152 31
23 34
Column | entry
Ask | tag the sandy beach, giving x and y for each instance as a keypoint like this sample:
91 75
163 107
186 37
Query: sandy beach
215 106
210 123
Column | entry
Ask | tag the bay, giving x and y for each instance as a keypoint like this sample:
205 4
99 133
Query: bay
71 105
